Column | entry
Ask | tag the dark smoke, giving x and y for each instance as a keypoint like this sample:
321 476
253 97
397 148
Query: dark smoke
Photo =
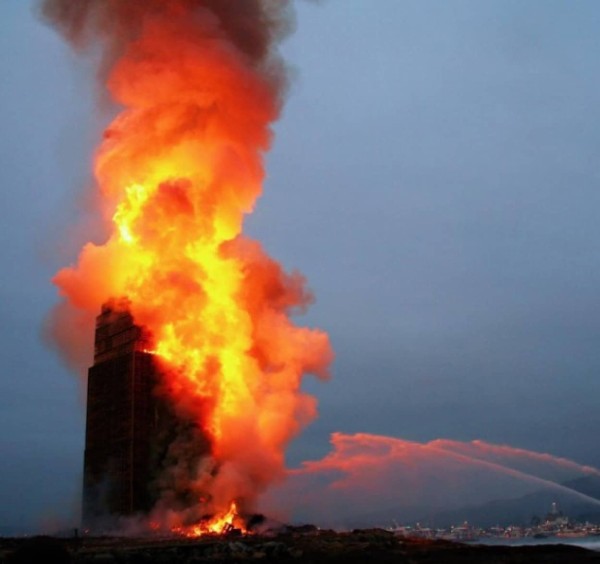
254 27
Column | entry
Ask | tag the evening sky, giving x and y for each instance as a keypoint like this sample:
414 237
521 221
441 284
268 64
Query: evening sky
435 177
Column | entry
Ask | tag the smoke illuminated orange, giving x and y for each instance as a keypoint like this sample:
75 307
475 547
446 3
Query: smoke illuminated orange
178 169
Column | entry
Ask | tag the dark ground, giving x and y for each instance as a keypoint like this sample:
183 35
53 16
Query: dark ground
296 546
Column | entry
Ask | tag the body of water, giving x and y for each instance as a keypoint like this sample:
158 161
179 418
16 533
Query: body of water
591 543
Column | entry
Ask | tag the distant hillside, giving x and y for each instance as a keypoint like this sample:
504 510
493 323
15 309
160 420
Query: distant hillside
516 511
522 510
588 485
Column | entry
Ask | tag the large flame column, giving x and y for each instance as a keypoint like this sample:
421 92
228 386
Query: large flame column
199 83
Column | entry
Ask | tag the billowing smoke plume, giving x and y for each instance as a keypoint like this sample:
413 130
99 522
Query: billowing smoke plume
253 27
200 82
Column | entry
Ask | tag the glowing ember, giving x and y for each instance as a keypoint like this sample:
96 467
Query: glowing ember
199 83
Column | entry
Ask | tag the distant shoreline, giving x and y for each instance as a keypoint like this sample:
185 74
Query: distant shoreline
590 543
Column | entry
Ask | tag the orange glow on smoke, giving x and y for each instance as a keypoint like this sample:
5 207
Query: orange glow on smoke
178 169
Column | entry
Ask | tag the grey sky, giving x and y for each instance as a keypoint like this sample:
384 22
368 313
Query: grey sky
435 177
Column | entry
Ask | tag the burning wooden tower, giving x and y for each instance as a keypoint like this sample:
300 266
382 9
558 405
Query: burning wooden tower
126 422
199 83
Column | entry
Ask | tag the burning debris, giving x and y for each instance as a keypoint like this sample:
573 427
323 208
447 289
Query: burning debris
223 524
199 83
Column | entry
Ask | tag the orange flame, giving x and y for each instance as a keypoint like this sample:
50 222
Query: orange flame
177 171
216 526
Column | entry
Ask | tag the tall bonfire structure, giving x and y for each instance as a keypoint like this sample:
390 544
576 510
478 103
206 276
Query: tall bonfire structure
195 389
128 423
122 420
